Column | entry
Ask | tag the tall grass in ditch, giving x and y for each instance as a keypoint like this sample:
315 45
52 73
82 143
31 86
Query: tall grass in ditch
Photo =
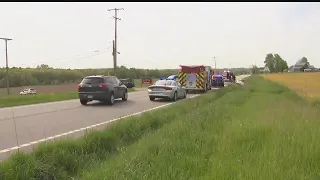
64 159
262 131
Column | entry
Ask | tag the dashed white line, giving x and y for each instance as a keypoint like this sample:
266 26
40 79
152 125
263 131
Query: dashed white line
85 128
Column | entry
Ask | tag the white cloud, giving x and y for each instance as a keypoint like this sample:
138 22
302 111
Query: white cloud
161 35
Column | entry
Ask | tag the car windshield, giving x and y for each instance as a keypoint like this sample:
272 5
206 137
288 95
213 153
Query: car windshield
92 80
163 83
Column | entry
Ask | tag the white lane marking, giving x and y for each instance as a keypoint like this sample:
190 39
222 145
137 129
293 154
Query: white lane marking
88 127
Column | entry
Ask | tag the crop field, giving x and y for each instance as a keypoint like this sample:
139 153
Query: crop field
305 84
259 131
62 88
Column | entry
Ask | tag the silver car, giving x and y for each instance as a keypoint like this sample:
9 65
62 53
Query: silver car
167 89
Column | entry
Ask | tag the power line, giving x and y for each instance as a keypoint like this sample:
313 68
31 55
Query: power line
7 66
115 52
73 58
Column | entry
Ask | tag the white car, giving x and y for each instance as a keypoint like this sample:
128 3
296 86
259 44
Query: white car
28 91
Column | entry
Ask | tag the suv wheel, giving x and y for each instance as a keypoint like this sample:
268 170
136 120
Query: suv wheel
152 98
111 99
125 96
83 102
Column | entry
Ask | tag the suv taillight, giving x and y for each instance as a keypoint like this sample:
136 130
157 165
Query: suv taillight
79 86
168 88
103 85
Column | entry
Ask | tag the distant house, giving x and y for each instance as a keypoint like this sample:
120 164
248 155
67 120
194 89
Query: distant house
298 67
266 70
302 67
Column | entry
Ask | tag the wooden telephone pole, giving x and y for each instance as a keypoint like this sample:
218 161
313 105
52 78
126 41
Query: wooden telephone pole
7 66
114 51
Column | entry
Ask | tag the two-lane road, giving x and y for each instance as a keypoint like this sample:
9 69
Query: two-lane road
40 121
37 122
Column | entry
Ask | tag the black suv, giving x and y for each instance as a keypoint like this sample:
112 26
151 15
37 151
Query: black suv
101 88
128 82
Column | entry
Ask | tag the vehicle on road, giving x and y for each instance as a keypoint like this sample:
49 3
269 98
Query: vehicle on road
31 91
166 89
101 88
232 77
128 82
226 76
217 80
173 77
195 78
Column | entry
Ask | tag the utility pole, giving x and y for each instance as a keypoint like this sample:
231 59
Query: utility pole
7 66
215 63
115 52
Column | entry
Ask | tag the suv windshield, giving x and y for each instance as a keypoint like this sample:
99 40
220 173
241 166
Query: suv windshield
92 80
164 83
125 80
172 77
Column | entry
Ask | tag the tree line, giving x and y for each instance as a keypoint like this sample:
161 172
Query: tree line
45 75
274 64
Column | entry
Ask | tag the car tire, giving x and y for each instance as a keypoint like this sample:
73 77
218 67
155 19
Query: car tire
174 98
111 99
152 98
83 102
125 96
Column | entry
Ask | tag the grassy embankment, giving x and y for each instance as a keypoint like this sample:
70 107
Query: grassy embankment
259 131
17 100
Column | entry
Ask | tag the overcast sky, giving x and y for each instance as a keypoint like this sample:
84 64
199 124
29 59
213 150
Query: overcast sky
159 35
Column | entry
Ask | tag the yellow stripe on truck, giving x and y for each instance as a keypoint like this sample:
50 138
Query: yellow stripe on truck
182 78
200 80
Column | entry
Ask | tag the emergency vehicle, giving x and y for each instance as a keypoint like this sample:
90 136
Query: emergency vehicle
196 78
226 76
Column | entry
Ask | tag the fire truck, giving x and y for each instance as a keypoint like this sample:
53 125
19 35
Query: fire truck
195 78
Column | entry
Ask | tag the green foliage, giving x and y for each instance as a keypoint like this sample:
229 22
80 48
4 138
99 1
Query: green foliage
275 63
255 69
45 75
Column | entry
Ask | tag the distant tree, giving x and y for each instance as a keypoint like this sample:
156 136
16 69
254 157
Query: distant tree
275 63
303 60
306 65
43 66
269 62
255 69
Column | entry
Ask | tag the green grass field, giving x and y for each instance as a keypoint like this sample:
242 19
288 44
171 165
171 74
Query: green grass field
259 131
17 100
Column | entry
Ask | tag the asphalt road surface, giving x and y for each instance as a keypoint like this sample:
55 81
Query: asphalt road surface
35 123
